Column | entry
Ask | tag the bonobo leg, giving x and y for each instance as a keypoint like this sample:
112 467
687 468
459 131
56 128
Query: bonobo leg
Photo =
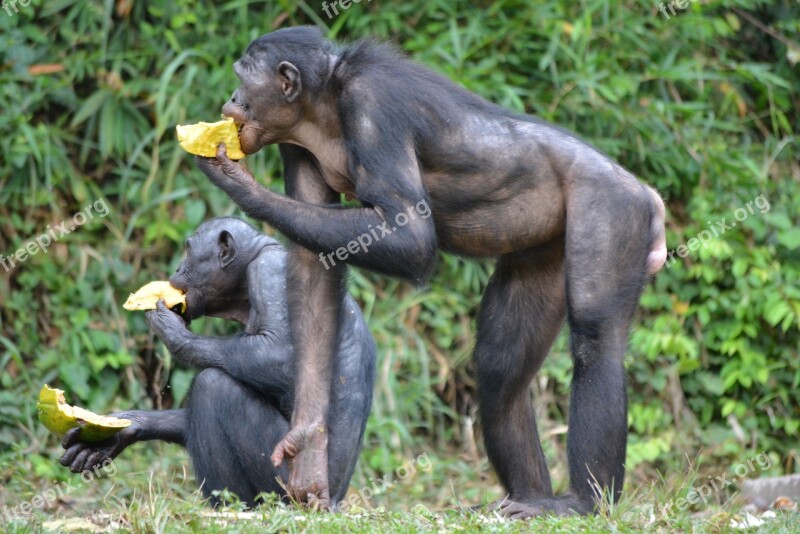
520 316
351 400
607 247
231 433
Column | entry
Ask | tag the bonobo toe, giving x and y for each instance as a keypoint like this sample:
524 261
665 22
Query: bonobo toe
567 504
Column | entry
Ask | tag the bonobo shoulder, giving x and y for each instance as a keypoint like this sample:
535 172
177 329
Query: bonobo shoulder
366 57
270 260
358 100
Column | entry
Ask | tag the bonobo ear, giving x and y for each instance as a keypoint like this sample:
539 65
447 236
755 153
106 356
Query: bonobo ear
227 248
290 80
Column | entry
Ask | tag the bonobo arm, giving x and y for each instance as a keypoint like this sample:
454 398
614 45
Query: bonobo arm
388 235
164 425
261 360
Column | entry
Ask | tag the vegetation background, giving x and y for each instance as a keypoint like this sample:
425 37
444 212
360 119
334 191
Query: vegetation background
702 104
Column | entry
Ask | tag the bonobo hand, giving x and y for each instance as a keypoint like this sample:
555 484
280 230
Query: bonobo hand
169 327
82 456
226 174
307 448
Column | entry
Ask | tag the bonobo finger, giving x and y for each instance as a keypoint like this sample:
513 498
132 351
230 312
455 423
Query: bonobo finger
228 166
232 169
162 318
69 456
79 461
222 153
94 460
70 437
277 455
285 449
206 164
210 167
162 306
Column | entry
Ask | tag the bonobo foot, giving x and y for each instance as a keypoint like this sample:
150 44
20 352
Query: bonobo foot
307 448
568 504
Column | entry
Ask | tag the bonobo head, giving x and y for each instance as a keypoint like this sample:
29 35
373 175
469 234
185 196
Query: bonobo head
214 272
281 78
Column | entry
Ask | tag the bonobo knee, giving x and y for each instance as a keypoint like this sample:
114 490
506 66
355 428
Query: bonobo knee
210 385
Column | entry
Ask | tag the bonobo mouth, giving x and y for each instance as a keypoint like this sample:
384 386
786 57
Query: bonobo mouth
244 142
239 125
185 313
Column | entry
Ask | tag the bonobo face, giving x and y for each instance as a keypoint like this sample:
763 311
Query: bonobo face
265 107
210 288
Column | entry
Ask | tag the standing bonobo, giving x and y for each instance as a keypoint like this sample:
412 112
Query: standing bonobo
575 234
240 404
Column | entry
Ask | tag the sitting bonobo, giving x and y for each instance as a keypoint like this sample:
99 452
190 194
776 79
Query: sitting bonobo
241 401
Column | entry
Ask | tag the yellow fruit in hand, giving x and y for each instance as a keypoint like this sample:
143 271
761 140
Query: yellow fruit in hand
59 417
149 294
203 138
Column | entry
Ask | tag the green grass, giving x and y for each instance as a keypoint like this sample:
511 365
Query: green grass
152 490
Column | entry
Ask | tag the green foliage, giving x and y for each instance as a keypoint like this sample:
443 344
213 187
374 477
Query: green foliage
702 106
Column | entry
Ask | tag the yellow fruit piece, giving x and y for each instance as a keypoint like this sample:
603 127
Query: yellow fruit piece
59 417
149 294
203 138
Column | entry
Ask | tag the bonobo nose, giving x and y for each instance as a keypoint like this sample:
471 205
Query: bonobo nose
232 109
178 280
233 106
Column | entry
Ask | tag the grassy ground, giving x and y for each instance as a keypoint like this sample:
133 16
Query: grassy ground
153 490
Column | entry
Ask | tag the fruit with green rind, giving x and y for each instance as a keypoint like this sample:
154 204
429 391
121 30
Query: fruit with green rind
59 417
